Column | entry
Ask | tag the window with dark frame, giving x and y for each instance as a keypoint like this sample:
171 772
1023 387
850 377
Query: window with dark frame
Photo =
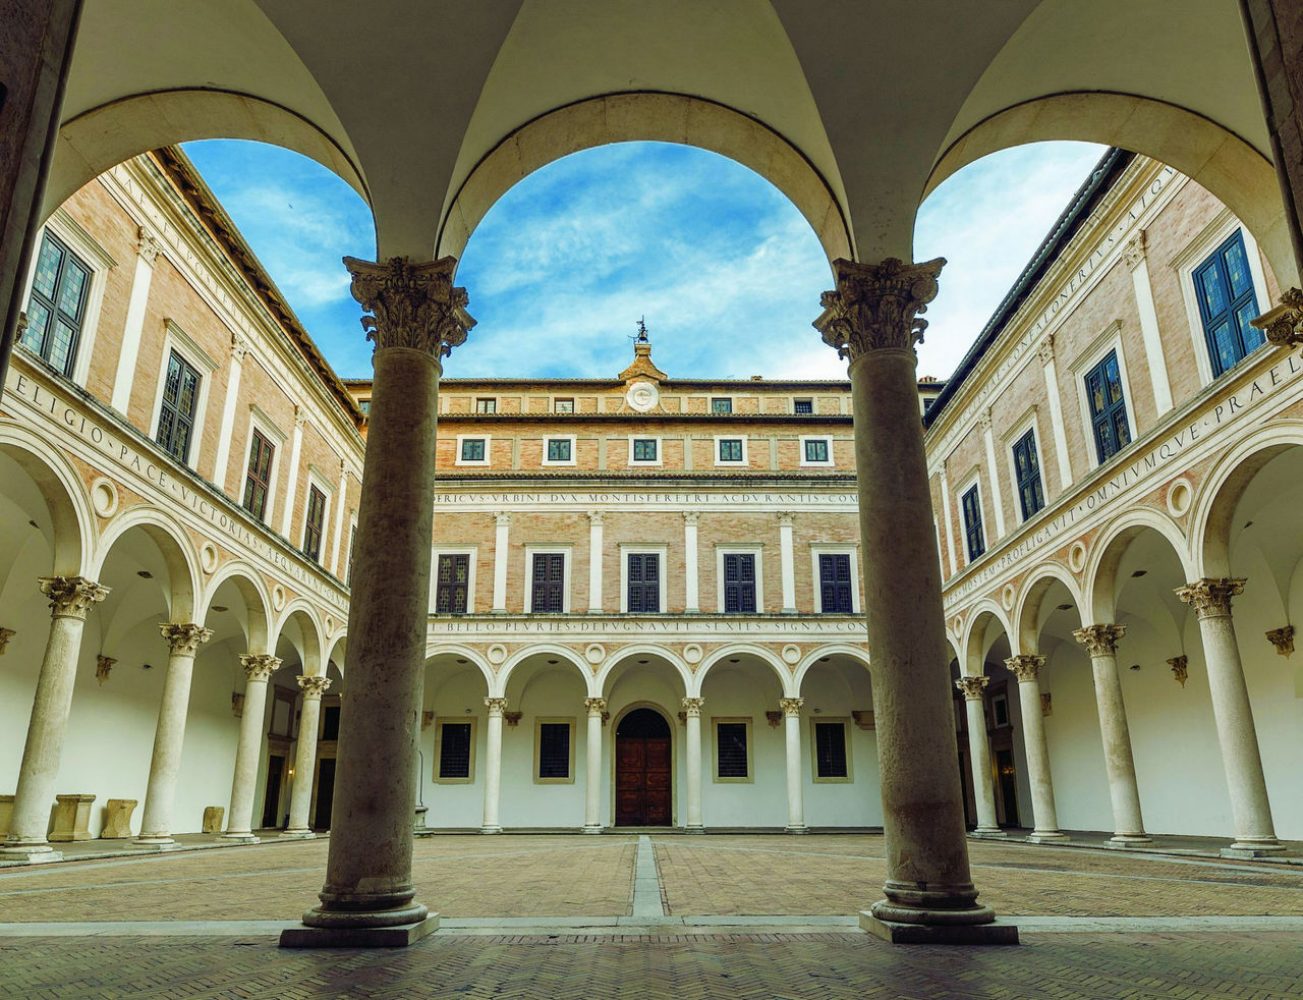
721 404
553 750
365 406
314 523
563 406
548 585
644 582
976 539
257 480
1108 407
803 406
452 583
730 449
559 450
176 416
56 308
486 405
455 750
1223 285
731 750
816 450
644 449
472 450
1027 471
739 583
830 750
835 584
329 723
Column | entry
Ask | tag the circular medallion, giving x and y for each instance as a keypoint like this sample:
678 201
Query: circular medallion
642 396
104 497
278 597
692 653
1077 557
595 653
1179 495
1006 597
791 654
497 653
208 557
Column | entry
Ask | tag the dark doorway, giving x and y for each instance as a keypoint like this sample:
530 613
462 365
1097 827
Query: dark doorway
325 793
1008 777
642 770
272 799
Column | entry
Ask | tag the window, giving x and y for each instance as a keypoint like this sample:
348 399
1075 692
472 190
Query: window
732 750
456 752
452 586
472 451
548 590
644 582
739 583
560 451
803 406
365 406
1000 709
176 416
329 723
1108 407
486 406
721 404
646 450
352 542
1027 472
836 588
554 749
1224 289
57 306
257 481
831 761
563 406
972 504
314 523
730 451
816 451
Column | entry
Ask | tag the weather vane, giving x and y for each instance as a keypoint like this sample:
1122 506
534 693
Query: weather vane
642 337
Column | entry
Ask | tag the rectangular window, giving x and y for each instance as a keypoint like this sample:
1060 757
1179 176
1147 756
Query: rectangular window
1108 407
730 450
176 417
563 406
739 583
329 723
548 594
1224 288
732 758
644 583
1031 495
830 761
721 404
1000 710
554 746
452 584
57 305
314 523
972 505
559 450
835 585
816 451
455 742
365 406
257 481
803 406
486 406
644 449
472 450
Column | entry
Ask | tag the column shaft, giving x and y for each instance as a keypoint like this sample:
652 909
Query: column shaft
305 758
792 732
979 756
692 713
493 765
239 818
593 788
1045 818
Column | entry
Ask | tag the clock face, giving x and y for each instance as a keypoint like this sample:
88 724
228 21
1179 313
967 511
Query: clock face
642 396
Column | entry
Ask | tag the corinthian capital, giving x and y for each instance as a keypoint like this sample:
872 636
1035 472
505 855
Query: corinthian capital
1283 325
972 687
692 707
595 706
184 639
877 306
5 635
1025 667
71 596
791 706
411 305
1211 598
315 686
259 666
496 706
1100 640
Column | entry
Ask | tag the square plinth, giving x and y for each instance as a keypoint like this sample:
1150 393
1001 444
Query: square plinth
358 937
997 932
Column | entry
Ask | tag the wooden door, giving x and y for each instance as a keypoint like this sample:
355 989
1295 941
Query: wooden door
630 780
656 809
643 782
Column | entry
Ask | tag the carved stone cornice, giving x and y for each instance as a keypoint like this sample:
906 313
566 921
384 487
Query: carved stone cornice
1282 638
1100 640
259 666
71 596
103 667
314 686
972 687
1026 666
1283 325
692 707
411 305
791 706
1211 598
595 706
5 635
877 306
184 638
1180 668
496 706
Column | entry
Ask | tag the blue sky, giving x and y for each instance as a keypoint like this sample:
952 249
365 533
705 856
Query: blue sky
726 271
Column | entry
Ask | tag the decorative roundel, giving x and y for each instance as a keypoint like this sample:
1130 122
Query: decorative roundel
1077 557
1179 495
642 396
595 653
791 654
329 624
208 557
497 654
104 497
692 653
1006 597
278 597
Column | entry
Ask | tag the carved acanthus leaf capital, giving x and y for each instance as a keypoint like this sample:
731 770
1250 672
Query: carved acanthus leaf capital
691 517
595 706
411 305
71 596
496 706
1134 252
259 666
1211 598
877 306
1180 668
5 635
1282 638
148 247
972 687
1026 666
1283 325
791 706
103 667
692 707
314 686
1046 350
1100 640
184 638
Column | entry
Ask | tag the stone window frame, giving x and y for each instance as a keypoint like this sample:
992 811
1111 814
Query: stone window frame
1029 421
637 548
176 339
743 462
750 778
835 549
454 550
488 454
832 458
574 447
710 406
797 400
845 722
556 400
439 721
974 481
264 425
756 549
645 463
1108 339
1185 263
566 551
539 722
492 402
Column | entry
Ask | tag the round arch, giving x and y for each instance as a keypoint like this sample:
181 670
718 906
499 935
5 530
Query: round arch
1100 576
257 601
178 555
980 616
1224 163
623 654
540 649
313 643
813 657
1026 612
72 522
474 658
646 116
750 649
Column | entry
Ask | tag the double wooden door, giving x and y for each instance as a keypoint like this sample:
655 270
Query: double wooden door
642 781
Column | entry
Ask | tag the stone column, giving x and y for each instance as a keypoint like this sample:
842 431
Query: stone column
501 553
872 318
493 765
418 317
258 668
1255 834
691 579
595 562
788 563
183 640
1027 669
71 598
692 715
1101 642
979 755
305 759
593 790
792 731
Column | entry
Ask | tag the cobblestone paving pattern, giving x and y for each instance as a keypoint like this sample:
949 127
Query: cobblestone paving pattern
1062 966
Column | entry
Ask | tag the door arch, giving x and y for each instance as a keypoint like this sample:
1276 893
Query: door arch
644 767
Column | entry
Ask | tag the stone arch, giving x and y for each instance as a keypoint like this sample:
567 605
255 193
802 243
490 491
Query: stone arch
646 116
1026 629
495 685
813 657
1221 161
539 649
178 554
980 617
257 601
749 649
1100 586
313 642
603 679
72 522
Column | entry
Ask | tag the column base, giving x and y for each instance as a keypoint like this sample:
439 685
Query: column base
240 838
988 833
296 835
694 829
1048 837
1128 840
593 829
32 854
1249 849
397 936
797 829
159 842
490 829
973 926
